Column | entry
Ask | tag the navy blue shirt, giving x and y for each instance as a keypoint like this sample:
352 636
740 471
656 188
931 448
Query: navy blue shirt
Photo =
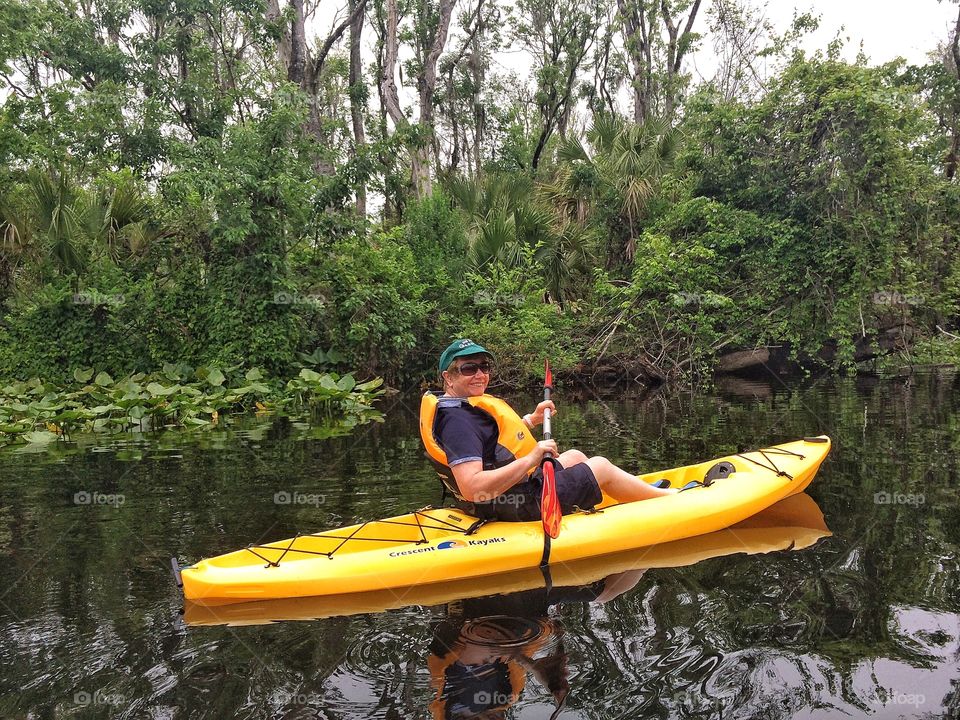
465 433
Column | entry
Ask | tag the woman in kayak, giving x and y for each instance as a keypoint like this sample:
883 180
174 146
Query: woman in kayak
487 457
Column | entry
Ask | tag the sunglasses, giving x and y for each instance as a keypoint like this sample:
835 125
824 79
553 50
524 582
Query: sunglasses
471 368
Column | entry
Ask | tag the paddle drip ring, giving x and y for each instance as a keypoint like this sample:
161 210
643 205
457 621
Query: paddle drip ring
502 631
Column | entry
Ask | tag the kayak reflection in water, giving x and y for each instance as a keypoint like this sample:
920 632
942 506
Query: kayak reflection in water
483 650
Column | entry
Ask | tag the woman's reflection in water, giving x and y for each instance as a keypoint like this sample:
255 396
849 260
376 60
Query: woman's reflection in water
483 650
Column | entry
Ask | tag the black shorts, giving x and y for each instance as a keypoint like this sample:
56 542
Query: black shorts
576 488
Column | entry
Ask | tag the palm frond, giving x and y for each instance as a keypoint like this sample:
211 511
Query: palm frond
571 150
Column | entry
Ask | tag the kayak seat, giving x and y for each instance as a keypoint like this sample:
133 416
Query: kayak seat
718 471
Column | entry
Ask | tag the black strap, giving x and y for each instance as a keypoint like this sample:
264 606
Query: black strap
772 467
437 523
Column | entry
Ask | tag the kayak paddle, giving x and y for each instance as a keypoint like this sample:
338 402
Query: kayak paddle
549 502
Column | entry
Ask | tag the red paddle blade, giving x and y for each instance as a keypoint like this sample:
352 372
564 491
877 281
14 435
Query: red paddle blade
547 375
550 503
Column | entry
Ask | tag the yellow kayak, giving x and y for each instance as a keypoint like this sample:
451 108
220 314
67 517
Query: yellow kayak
794 523
440 545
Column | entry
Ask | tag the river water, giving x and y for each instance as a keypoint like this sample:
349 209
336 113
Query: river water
862 623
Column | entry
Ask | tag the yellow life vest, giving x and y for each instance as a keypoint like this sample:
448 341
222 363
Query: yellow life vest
514 439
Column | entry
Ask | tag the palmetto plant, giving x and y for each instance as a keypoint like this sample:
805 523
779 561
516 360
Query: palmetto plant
117 218
614 178
507 216
61 225
497 211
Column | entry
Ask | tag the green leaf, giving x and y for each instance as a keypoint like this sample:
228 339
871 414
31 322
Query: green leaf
158 390
103 380
311 375
68 415
347 383
83 376
137 412
215 377
254 374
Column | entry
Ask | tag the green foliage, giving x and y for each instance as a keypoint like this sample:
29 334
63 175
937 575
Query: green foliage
506 220
510 319
706 276
373 298
618 186
841 153
255 195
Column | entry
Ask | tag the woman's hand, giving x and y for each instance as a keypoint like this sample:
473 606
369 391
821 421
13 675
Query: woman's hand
543 447
536 417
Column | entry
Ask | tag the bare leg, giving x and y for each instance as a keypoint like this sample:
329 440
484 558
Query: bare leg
571 457
621 485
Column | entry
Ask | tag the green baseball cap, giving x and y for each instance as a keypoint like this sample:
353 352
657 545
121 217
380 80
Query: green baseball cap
460 348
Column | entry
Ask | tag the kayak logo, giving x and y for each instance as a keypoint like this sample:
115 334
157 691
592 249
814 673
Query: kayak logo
450 544
446 545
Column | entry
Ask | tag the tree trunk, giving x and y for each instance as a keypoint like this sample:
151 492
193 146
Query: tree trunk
298 45
677 47
388 85
357 104
454 124
637 41
954 155
283 47
427 83
390 203
955 46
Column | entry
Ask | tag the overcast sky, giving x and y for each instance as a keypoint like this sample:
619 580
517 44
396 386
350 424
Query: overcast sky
887 28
